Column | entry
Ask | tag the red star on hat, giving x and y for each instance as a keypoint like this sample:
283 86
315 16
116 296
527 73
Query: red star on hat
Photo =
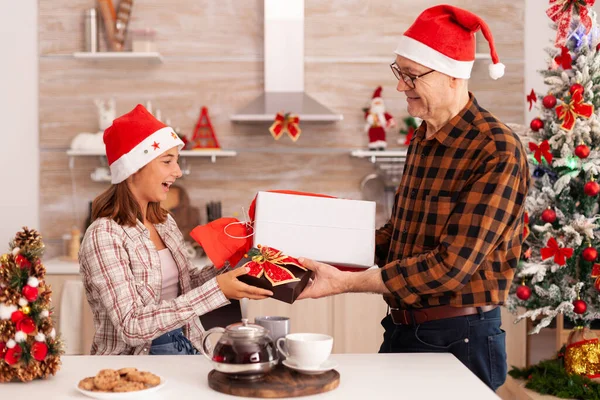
156 146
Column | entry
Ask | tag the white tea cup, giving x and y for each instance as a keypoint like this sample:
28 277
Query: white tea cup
306 349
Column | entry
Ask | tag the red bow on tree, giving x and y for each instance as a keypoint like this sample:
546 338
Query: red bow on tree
542 150
561 12
286 123
568 112
564 59
531 98
560 253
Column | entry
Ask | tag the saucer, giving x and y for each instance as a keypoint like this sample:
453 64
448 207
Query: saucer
326 366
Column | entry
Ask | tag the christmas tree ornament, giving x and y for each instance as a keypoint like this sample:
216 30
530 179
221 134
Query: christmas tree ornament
378 121
26 310
2 350
543 150
564 59
26 325
523 292
569 111
536 124
30 293
39 350
582 151
576 87
204 136
531 98
549 101
591 188
17 316
561 12
579 306
596 275
589 254
286 123
13 355
560 254
549 216
22 261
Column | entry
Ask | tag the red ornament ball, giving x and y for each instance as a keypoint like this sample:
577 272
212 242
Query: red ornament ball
582 151
591 188
26 325
22 261
590 254
579 306
549 101
523 292
39 350
30 293
16 316
549 216
536 124
576 87
13 355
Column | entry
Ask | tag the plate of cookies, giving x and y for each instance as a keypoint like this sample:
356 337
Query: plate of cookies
124 383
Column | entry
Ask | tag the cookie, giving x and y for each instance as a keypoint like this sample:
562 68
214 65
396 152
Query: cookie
87 383
128 386
144 377
107 379
125 371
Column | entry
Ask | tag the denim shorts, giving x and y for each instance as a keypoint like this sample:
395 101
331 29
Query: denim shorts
172 343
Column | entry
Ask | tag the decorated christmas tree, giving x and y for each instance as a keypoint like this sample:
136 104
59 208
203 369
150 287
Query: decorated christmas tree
559 271
29 346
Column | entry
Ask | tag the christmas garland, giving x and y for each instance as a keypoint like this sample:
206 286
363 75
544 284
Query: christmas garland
550 377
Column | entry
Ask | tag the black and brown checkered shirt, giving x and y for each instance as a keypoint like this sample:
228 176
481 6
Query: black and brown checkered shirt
455 233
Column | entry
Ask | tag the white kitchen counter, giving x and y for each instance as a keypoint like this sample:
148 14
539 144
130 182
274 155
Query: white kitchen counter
418 376
65 266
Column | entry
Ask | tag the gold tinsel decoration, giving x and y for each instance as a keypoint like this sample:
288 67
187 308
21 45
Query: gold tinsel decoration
582 354
28 238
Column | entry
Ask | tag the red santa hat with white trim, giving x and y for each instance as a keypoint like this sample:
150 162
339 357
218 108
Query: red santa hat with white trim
443 38
135 139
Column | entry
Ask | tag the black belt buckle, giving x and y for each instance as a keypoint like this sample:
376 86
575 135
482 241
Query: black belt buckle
406 314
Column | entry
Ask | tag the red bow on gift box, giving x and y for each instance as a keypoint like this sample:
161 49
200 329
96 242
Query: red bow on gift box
568 112
270 262
560 253
561 12
542 150
286 123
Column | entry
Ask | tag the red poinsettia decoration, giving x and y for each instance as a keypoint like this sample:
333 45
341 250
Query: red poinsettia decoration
560 253
39 350
270 262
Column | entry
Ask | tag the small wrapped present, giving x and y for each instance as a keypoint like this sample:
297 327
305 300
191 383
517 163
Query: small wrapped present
272 270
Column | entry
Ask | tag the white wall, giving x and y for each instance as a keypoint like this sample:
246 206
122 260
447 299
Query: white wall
19 150
538 35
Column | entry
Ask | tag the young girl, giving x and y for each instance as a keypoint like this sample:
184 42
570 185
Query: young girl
144 292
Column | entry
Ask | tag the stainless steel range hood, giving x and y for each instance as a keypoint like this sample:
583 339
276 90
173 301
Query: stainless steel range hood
284 69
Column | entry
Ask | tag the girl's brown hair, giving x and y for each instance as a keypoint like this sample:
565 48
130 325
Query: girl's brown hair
119 204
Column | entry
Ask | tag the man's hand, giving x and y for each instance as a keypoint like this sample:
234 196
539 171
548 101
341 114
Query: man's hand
233 288
326 280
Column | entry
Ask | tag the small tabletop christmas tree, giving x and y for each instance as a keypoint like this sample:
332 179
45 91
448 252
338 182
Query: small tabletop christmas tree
29 346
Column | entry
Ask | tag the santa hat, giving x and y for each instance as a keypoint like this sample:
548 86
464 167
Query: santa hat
443 38
135 139
377 93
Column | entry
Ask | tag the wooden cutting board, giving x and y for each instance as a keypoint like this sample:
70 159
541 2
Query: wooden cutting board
281 382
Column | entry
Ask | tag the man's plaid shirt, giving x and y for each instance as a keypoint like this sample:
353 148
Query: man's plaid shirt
456 229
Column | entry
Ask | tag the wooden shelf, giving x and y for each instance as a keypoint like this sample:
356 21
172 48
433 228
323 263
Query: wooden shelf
119 55
212 153
381 155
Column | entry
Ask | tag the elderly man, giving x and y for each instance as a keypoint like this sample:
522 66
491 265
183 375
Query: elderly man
447 254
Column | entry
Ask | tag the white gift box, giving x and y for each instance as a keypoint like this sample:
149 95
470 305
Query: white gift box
334 231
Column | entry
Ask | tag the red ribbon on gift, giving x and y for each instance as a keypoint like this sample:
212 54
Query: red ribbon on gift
561 12
270 262
286 123
560 253
531 98
543 150
568 112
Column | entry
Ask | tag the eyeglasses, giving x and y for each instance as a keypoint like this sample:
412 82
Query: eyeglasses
409 80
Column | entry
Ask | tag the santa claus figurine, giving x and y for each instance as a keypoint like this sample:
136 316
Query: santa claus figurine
378 120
